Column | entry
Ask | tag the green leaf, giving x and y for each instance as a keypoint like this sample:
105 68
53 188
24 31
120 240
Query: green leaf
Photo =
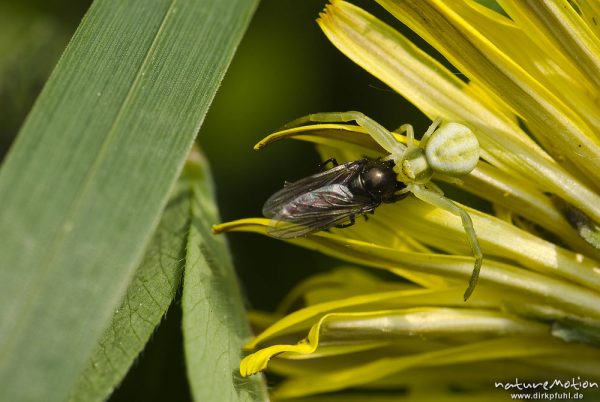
83 186
147 300
214 324
155 284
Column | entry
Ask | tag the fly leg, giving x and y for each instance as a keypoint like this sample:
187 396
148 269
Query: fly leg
333 161
400 196
369 211
347 225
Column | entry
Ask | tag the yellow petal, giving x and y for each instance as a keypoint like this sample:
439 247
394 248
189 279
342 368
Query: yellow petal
559 128
388 236
437 227
303 319
536 54
556 293
502 348
436 91
590 11
340 283
374 327
520 197
335 135
557 24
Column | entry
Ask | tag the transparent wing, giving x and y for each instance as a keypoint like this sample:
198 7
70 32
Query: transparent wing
318 210
341 174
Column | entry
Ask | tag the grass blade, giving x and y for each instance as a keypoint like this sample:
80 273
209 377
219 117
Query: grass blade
214 324
83 186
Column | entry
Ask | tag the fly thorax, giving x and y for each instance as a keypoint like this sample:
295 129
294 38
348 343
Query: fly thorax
414 166
378 180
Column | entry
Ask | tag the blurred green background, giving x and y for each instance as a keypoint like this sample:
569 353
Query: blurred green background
284 68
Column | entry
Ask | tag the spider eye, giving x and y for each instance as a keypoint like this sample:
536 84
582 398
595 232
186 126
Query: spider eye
452 149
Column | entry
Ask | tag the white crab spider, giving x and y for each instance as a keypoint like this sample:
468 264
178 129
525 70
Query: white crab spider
448 150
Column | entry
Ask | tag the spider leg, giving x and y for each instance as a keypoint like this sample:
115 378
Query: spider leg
448 178
431 186
410 133
430 131
442 202
379 133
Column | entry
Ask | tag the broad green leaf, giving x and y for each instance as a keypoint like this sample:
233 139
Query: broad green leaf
214 323
154 286
147 300
83 187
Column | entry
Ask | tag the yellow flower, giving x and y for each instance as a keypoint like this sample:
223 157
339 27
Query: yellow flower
531 95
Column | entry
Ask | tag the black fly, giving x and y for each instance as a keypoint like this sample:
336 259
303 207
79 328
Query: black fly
332 198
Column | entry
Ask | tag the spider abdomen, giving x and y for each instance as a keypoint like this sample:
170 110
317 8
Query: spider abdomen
453 149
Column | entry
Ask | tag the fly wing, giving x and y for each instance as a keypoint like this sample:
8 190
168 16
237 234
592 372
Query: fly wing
317 210
340 174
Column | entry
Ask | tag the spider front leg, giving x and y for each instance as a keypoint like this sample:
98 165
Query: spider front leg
438 200
410 133
379 133
434 125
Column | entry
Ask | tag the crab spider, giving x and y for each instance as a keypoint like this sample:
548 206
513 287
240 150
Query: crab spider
448 150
